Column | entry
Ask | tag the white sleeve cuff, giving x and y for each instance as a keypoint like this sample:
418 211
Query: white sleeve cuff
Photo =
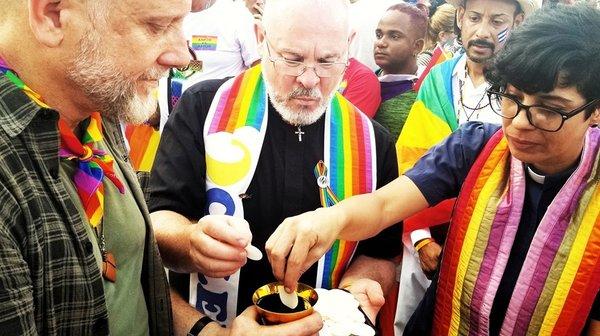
419 234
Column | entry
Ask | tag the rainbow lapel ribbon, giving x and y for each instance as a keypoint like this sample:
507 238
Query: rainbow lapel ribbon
560 276
93 165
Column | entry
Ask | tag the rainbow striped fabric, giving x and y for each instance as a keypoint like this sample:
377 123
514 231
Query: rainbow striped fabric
204 42
561 273
143 143
243 104
437 57
431 119
93 164
350 157
36 98
234 132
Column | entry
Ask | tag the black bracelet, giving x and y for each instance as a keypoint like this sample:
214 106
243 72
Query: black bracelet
199 325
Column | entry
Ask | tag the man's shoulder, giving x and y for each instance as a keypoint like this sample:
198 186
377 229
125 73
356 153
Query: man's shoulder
209 86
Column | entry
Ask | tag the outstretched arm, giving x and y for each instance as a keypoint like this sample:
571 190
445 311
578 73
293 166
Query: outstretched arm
301 240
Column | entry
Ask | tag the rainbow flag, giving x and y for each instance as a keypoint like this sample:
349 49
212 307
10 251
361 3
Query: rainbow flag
430 120
143 143
560 276
349 155
437 57
235 110
204 42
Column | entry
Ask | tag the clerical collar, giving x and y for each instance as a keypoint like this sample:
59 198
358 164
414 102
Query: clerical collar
535 176
559 177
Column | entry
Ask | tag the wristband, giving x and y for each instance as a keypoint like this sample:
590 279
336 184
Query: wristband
422 243
199 325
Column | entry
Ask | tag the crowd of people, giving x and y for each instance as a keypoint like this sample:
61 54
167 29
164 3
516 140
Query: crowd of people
436 158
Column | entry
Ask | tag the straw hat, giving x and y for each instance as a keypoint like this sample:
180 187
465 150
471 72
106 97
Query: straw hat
528 6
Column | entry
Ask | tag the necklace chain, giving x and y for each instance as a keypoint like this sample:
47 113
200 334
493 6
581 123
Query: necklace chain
464 107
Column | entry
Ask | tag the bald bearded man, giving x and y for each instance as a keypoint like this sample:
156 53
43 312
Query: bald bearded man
246 151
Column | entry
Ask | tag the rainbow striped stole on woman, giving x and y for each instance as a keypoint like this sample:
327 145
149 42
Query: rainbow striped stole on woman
561 272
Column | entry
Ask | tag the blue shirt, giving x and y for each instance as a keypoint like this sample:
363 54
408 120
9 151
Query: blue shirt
440 174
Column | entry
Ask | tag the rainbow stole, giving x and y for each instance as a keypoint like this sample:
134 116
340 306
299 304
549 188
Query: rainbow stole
561 272
430 120
234 132
143 143
350 156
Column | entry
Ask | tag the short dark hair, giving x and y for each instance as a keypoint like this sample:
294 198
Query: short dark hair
556 46
418 19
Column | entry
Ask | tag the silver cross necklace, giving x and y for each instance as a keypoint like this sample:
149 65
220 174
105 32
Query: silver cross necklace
300 133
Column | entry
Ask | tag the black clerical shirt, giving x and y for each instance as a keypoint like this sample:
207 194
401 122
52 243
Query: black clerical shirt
283 185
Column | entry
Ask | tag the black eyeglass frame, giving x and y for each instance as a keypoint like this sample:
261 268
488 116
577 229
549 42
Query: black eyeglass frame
520 106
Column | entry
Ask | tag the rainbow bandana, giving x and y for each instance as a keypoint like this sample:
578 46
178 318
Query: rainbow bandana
561 272
93 163
143 143
4 69
233 136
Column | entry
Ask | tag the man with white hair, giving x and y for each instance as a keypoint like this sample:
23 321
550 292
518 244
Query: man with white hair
77 251
248 151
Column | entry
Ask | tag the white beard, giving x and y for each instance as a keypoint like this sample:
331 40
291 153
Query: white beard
304 116
111 91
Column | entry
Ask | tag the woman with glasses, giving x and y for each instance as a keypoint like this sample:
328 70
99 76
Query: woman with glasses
523 249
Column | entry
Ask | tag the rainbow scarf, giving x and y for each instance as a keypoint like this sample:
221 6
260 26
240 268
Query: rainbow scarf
561 273
143 143
431 119
93 163
36 98
233 135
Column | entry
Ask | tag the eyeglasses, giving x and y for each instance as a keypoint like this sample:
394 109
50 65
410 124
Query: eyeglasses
539 116
296 68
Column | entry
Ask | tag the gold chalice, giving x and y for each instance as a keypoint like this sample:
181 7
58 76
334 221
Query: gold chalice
271 309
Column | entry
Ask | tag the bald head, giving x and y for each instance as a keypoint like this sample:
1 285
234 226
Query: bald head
320 15
309 33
